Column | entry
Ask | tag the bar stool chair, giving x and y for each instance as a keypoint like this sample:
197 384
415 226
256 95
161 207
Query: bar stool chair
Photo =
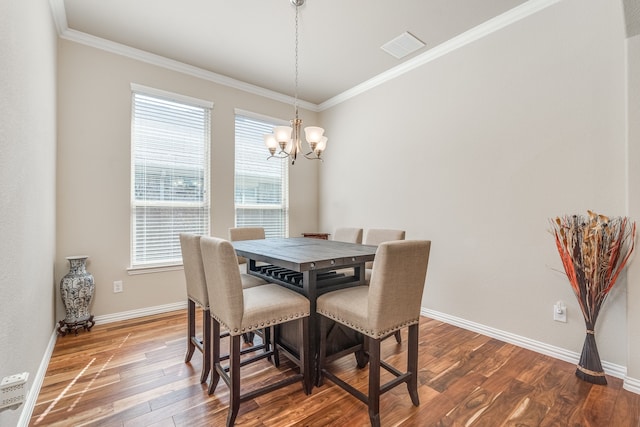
390 302
375 236
197 294
245 233
245 310
348 234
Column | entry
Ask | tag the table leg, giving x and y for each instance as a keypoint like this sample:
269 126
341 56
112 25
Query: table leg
309 282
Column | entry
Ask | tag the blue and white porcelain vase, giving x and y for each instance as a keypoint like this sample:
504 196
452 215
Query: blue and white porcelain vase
76 289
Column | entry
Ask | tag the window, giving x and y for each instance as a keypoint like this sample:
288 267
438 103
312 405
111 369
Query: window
261 185
170 136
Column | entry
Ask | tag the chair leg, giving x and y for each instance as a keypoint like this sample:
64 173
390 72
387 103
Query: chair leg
191 329
412 364
234 383
215 354
266 340
275 336
206 345
247 337
374 382
398 336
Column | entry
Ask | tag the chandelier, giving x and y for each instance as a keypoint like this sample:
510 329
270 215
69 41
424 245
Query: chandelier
288 138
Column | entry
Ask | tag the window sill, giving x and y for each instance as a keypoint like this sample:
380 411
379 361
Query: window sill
133 271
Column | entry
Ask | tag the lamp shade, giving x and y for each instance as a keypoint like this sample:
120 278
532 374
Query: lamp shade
322 144
270 141
313 133
282 133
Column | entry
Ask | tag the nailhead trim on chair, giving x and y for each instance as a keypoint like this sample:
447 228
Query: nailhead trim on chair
262 325
367 332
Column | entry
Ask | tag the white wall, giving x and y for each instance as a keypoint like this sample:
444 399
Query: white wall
633 296
94 170
27 188
477 150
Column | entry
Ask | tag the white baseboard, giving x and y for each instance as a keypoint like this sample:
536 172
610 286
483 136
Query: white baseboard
618 371
36 385
141 312
631 384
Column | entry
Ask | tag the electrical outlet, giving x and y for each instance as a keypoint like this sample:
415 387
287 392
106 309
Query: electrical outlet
560 312
117 286
12 390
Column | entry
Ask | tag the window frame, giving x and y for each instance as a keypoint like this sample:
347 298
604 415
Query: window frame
171 263
284 164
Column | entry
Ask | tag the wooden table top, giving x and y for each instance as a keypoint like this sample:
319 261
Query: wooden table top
305 254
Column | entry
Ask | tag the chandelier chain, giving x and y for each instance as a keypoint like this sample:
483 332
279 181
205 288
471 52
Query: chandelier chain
295 101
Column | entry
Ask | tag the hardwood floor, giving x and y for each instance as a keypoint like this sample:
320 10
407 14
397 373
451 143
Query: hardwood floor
132 373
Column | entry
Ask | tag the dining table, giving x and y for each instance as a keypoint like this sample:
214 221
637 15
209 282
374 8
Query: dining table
310 267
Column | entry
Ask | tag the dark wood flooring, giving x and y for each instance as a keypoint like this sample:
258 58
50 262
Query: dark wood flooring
132 373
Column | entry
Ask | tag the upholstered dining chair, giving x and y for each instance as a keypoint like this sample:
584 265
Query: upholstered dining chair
196 294
245 233
348 234
375 236
390 302
244 310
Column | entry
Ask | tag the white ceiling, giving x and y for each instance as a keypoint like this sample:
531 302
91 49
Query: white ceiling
253 40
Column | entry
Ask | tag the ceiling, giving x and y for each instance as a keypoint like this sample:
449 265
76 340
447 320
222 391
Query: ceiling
252 41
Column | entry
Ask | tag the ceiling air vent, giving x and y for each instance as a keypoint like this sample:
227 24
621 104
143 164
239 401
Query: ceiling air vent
402 45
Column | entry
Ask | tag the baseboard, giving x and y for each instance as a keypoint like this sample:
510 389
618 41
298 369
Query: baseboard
141 312
618 371
631 384
36 385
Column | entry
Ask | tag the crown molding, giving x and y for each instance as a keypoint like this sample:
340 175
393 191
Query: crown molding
495 24
476 33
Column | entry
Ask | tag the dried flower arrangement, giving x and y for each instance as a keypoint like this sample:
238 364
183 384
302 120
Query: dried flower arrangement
594 250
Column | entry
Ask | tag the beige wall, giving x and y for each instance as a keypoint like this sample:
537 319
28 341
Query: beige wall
633 296
477 150
27 188
94 169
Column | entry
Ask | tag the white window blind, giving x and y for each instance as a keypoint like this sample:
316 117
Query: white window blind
261 185
170 175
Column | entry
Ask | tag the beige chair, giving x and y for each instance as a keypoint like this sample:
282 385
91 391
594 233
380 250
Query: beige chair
246 310
196 294
375 236
245 233
390 302
349 235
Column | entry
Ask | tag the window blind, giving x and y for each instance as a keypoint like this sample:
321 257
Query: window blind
170 176
261 185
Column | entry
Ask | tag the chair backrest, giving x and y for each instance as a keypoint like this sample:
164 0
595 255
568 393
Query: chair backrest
346 234
375 236
194 269
396 285
245 233
223 281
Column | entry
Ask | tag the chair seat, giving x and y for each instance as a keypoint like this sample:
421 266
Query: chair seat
272 302
337 306
249 281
